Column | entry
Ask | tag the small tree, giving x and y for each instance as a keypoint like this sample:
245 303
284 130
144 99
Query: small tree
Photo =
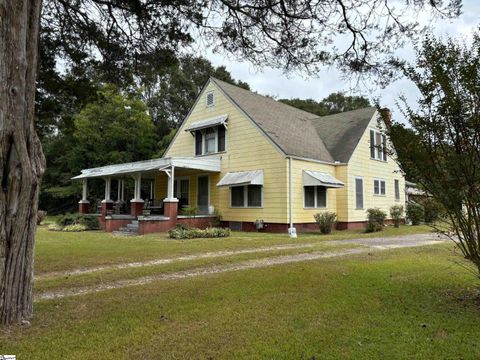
326 221
415 213
396 213
441 148
376 220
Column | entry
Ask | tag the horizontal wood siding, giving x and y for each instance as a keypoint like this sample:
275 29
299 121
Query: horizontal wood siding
300 214
361 165
246 149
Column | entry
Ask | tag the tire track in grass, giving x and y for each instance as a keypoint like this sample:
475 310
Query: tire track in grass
243 265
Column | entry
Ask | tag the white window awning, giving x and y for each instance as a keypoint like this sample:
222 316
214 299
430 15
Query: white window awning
317 178
216 121
240 178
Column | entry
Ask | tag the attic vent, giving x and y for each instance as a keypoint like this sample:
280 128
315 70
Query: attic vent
210 99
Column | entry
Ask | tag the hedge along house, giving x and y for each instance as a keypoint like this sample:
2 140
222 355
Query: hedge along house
261 164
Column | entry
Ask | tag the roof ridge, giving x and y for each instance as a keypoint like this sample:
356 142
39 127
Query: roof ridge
266 97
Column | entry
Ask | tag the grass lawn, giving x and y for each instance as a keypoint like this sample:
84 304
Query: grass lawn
58 251
406 303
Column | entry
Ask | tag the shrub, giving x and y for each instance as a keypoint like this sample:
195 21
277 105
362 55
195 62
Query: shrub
325 221
415 213
189 211
41 215
375 218
432 210
54 227
396 212
74 228
192 233
89 222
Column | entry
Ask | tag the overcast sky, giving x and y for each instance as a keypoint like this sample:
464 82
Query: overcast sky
274 82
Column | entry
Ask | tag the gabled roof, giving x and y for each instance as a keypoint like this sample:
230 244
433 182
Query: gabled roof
289 128
341 132
300 133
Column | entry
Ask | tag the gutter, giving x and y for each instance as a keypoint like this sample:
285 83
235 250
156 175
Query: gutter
292 232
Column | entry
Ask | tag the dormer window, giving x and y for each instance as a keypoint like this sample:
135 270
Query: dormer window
210 101
210 140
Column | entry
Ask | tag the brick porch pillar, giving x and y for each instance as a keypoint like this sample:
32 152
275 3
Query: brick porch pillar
170 208
107 205
84 206
136 207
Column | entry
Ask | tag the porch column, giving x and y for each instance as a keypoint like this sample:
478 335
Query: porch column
84 204
170 204
136 203
107 203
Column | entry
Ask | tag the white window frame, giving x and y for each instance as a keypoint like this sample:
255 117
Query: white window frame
375 145
245 198
379 187
363 192
204 143
213 98
315 198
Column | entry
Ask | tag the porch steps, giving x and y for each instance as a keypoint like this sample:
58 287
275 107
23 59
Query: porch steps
129 230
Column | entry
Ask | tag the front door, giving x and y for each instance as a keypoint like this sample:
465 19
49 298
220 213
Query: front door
203 195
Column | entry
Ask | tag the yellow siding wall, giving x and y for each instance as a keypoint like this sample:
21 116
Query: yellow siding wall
246 149
362 165
300 214
342 193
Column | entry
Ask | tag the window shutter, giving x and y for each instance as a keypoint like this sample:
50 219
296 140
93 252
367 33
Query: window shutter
198 142
359 193
384 145
397 189
372 144
221 138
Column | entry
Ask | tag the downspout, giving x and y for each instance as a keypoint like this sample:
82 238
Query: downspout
292 232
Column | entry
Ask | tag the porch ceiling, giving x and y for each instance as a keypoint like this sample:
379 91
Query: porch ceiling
211 164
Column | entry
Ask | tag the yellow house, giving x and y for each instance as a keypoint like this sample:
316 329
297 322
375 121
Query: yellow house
258 163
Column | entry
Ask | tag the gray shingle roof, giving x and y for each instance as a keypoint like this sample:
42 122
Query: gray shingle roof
300 133
341 132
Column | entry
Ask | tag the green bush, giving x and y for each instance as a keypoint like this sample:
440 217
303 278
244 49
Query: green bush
375 219
190 211
415 213
396 212
432 210
87 221
325 221
74 228
192 233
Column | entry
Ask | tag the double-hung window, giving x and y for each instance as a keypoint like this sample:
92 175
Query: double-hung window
315 197
378 145
246 196
379 187
210 140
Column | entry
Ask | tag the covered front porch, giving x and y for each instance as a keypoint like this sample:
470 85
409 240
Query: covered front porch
165 191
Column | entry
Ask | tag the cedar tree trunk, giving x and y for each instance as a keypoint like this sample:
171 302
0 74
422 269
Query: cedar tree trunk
21 159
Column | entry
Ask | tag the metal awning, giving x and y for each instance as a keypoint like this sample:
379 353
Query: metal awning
240 178
211 164
198 125
316 178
